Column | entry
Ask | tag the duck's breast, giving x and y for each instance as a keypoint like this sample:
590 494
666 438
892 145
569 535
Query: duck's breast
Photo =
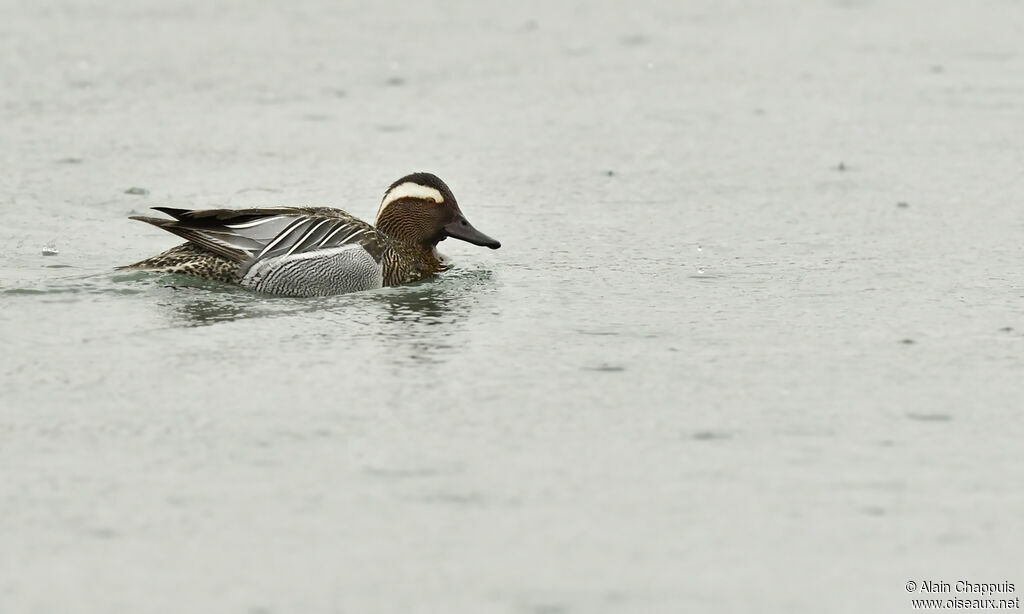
348 268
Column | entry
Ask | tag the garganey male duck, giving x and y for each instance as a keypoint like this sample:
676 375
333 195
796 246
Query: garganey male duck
318 251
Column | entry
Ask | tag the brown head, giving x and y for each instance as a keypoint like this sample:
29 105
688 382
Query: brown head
420 211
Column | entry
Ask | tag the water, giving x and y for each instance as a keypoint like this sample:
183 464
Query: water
752 343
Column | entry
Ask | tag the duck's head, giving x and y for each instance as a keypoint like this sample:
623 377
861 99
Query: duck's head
420 209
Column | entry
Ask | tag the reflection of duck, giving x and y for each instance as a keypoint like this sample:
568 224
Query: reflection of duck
432 302
423 303
398 313
201 303
192 306
319 251
420 321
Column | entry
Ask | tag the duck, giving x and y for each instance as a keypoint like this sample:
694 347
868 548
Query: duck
318 251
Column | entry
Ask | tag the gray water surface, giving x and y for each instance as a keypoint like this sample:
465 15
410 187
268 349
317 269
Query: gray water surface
753 341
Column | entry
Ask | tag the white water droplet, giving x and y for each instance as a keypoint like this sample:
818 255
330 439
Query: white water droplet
50 249
700 271
699 248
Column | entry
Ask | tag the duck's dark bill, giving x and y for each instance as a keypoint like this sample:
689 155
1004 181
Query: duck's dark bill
462 229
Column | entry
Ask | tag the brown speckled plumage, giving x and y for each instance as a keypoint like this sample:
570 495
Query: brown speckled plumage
190 259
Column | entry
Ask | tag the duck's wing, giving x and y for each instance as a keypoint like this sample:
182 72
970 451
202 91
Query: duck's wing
246 236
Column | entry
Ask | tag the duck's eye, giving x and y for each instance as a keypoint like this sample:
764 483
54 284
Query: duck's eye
464 223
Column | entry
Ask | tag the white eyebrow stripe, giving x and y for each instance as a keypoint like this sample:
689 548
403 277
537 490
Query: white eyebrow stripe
305 236
410 189
284 234
253 223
